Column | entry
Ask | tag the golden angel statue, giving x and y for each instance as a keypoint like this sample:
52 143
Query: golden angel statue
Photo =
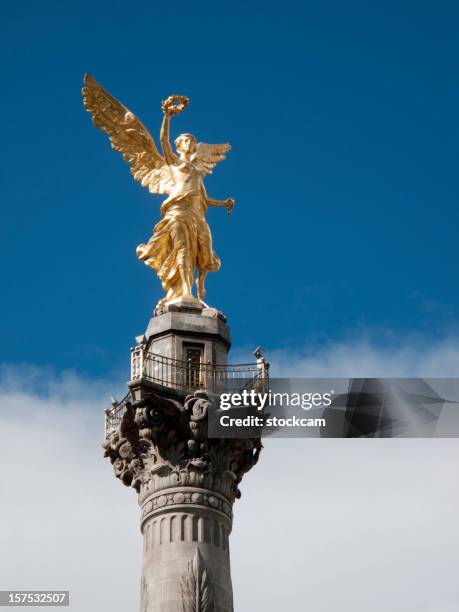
181 241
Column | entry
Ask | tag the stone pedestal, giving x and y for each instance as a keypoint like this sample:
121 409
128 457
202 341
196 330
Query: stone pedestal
186 482
173 333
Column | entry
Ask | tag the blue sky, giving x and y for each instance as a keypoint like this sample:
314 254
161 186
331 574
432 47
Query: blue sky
343 119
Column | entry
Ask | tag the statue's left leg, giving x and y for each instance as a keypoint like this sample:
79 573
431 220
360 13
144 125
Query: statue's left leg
207 260
200 283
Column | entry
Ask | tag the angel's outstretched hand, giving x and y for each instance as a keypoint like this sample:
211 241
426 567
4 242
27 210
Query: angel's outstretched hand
230 205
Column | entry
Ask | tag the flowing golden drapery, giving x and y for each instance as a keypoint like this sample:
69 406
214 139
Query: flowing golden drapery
180 241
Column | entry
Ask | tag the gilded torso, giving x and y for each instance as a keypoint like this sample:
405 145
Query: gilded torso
188 190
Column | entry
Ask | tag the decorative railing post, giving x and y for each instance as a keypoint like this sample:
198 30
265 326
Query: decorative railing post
137 360
262 365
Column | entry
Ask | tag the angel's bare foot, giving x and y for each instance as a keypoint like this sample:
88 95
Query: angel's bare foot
167 298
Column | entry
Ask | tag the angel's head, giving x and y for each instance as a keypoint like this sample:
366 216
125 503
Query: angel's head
185 143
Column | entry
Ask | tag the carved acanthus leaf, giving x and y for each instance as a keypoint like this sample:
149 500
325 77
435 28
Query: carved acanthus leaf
196 594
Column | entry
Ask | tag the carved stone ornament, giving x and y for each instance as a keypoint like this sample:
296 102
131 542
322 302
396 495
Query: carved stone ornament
196 587
162 444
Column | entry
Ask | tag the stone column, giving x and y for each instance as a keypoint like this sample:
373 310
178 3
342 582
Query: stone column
186 485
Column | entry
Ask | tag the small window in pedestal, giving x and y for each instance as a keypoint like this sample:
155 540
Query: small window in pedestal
194 356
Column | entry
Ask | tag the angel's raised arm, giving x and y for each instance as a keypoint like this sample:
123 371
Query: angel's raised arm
172 106
164 139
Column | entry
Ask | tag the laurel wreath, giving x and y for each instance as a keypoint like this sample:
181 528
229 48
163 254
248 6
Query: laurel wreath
174 104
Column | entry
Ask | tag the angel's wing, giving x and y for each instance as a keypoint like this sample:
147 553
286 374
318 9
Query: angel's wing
128 136
207 155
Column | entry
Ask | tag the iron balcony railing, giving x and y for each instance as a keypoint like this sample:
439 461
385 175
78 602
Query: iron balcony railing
114 415
188 377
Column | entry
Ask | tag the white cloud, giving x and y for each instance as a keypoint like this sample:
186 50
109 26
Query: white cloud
349 525
326 525
362 357
66 523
